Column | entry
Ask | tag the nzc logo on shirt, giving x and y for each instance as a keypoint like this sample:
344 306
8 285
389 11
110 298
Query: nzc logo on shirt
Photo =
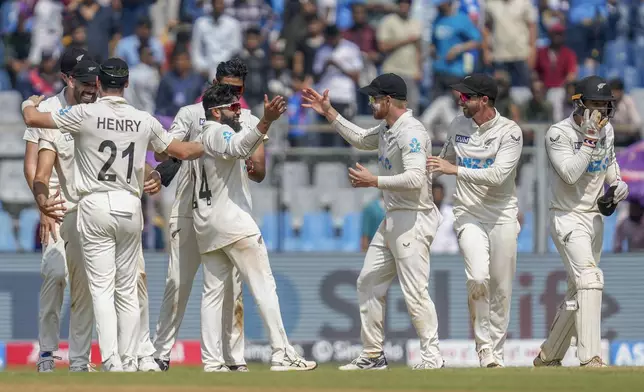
227 136
64 111
202 121
462 139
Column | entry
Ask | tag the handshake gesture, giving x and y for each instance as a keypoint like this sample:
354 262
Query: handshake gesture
591 125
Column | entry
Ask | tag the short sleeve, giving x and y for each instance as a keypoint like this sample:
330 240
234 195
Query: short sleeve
46 145
384 32
49 134
32 135
159 138
530 12
70 118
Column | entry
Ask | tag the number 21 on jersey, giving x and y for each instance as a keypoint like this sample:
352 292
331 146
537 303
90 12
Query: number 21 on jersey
128 152
204 190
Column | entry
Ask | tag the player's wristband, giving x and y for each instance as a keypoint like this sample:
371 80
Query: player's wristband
592 143
154 171
27 103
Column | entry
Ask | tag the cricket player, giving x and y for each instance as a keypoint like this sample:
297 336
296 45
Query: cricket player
112 139
54 145
184 252
226 233
54 265
482 150
582 159
401 244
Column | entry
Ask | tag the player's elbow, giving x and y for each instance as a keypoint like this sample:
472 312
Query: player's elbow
185 151
416 180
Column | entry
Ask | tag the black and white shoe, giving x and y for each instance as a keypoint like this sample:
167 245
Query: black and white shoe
164 365
238 368
366 362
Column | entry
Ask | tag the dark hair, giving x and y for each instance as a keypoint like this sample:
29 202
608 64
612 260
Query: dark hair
253 30
143 47
437 185
232 68
332 31
616 84
218 94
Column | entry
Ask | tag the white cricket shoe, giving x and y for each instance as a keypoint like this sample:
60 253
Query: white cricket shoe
238 368
217 369
130 366
428 366
540 362
113 365
46 362
365 362
293 362
596 362
147 364
487 359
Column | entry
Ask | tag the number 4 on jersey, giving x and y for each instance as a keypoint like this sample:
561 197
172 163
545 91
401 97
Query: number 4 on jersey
204 190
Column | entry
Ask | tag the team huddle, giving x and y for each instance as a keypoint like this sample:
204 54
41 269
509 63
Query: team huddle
85 162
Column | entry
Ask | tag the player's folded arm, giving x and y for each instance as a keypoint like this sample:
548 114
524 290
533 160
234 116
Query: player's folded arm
413 145
507 159
568 165
46 161
358 137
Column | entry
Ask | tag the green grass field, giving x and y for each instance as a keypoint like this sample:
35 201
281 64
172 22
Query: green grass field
183 379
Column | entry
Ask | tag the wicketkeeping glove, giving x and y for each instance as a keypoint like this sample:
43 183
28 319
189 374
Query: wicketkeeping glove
168 169
621 190
591 126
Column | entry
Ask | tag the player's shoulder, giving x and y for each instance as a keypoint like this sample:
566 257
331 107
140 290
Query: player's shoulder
562 129
509 128
193 112
50 104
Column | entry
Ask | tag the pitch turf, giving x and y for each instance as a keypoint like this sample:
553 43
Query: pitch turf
182 379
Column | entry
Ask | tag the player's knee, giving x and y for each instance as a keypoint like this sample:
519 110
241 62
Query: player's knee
477 288
590 279
56 274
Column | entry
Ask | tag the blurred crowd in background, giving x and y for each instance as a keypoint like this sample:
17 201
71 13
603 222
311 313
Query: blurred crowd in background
535 49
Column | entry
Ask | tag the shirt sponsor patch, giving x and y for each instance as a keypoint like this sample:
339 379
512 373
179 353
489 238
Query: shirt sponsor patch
578 145
462 139
69 137
202 121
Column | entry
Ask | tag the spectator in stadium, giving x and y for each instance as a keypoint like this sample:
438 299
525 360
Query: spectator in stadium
128 47
280 80
626 121
536 110
454 37
513 27
630 230
43 79
102 24
363 35
17 47
180 86
77 37
257 61
372 215
144 81
504 103
445 241
46 29
208 52
305 50
130 12
252 13
399 39
586 33
556 63
337 67
295 29
550 14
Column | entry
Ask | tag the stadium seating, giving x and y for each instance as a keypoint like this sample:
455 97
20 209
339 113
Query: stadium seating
7 237
28 221
14 188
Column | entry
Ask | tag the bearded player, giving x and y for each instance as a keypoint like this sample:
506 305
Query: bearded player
184 254
582 160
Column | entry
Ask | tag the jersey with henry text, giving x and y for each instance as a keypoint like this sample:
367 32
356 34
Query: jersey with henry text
111 142
221 199
578 172
487 157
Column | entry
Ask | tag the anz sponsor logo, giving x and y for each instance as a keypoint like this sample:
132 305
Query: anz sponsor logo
384 162
597 166
462 139
475 163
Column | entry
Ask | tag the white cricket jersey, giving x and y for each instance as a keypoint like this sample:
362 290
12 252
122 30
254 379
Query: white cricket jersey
111 141
63 145
220 194
402 151
578 172
187 125
32 135
487 157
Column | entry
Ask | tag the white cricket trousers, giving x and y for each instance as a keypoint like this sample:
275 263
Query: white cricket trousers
53 270
250 257
146 349
182 268
578 238
490 253
400 247
81 318
110 225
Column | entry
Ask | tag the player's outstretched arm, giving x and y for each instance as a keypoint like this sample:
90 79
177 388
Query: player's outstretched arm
35 119
358 137
185 151
507 159
50 205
